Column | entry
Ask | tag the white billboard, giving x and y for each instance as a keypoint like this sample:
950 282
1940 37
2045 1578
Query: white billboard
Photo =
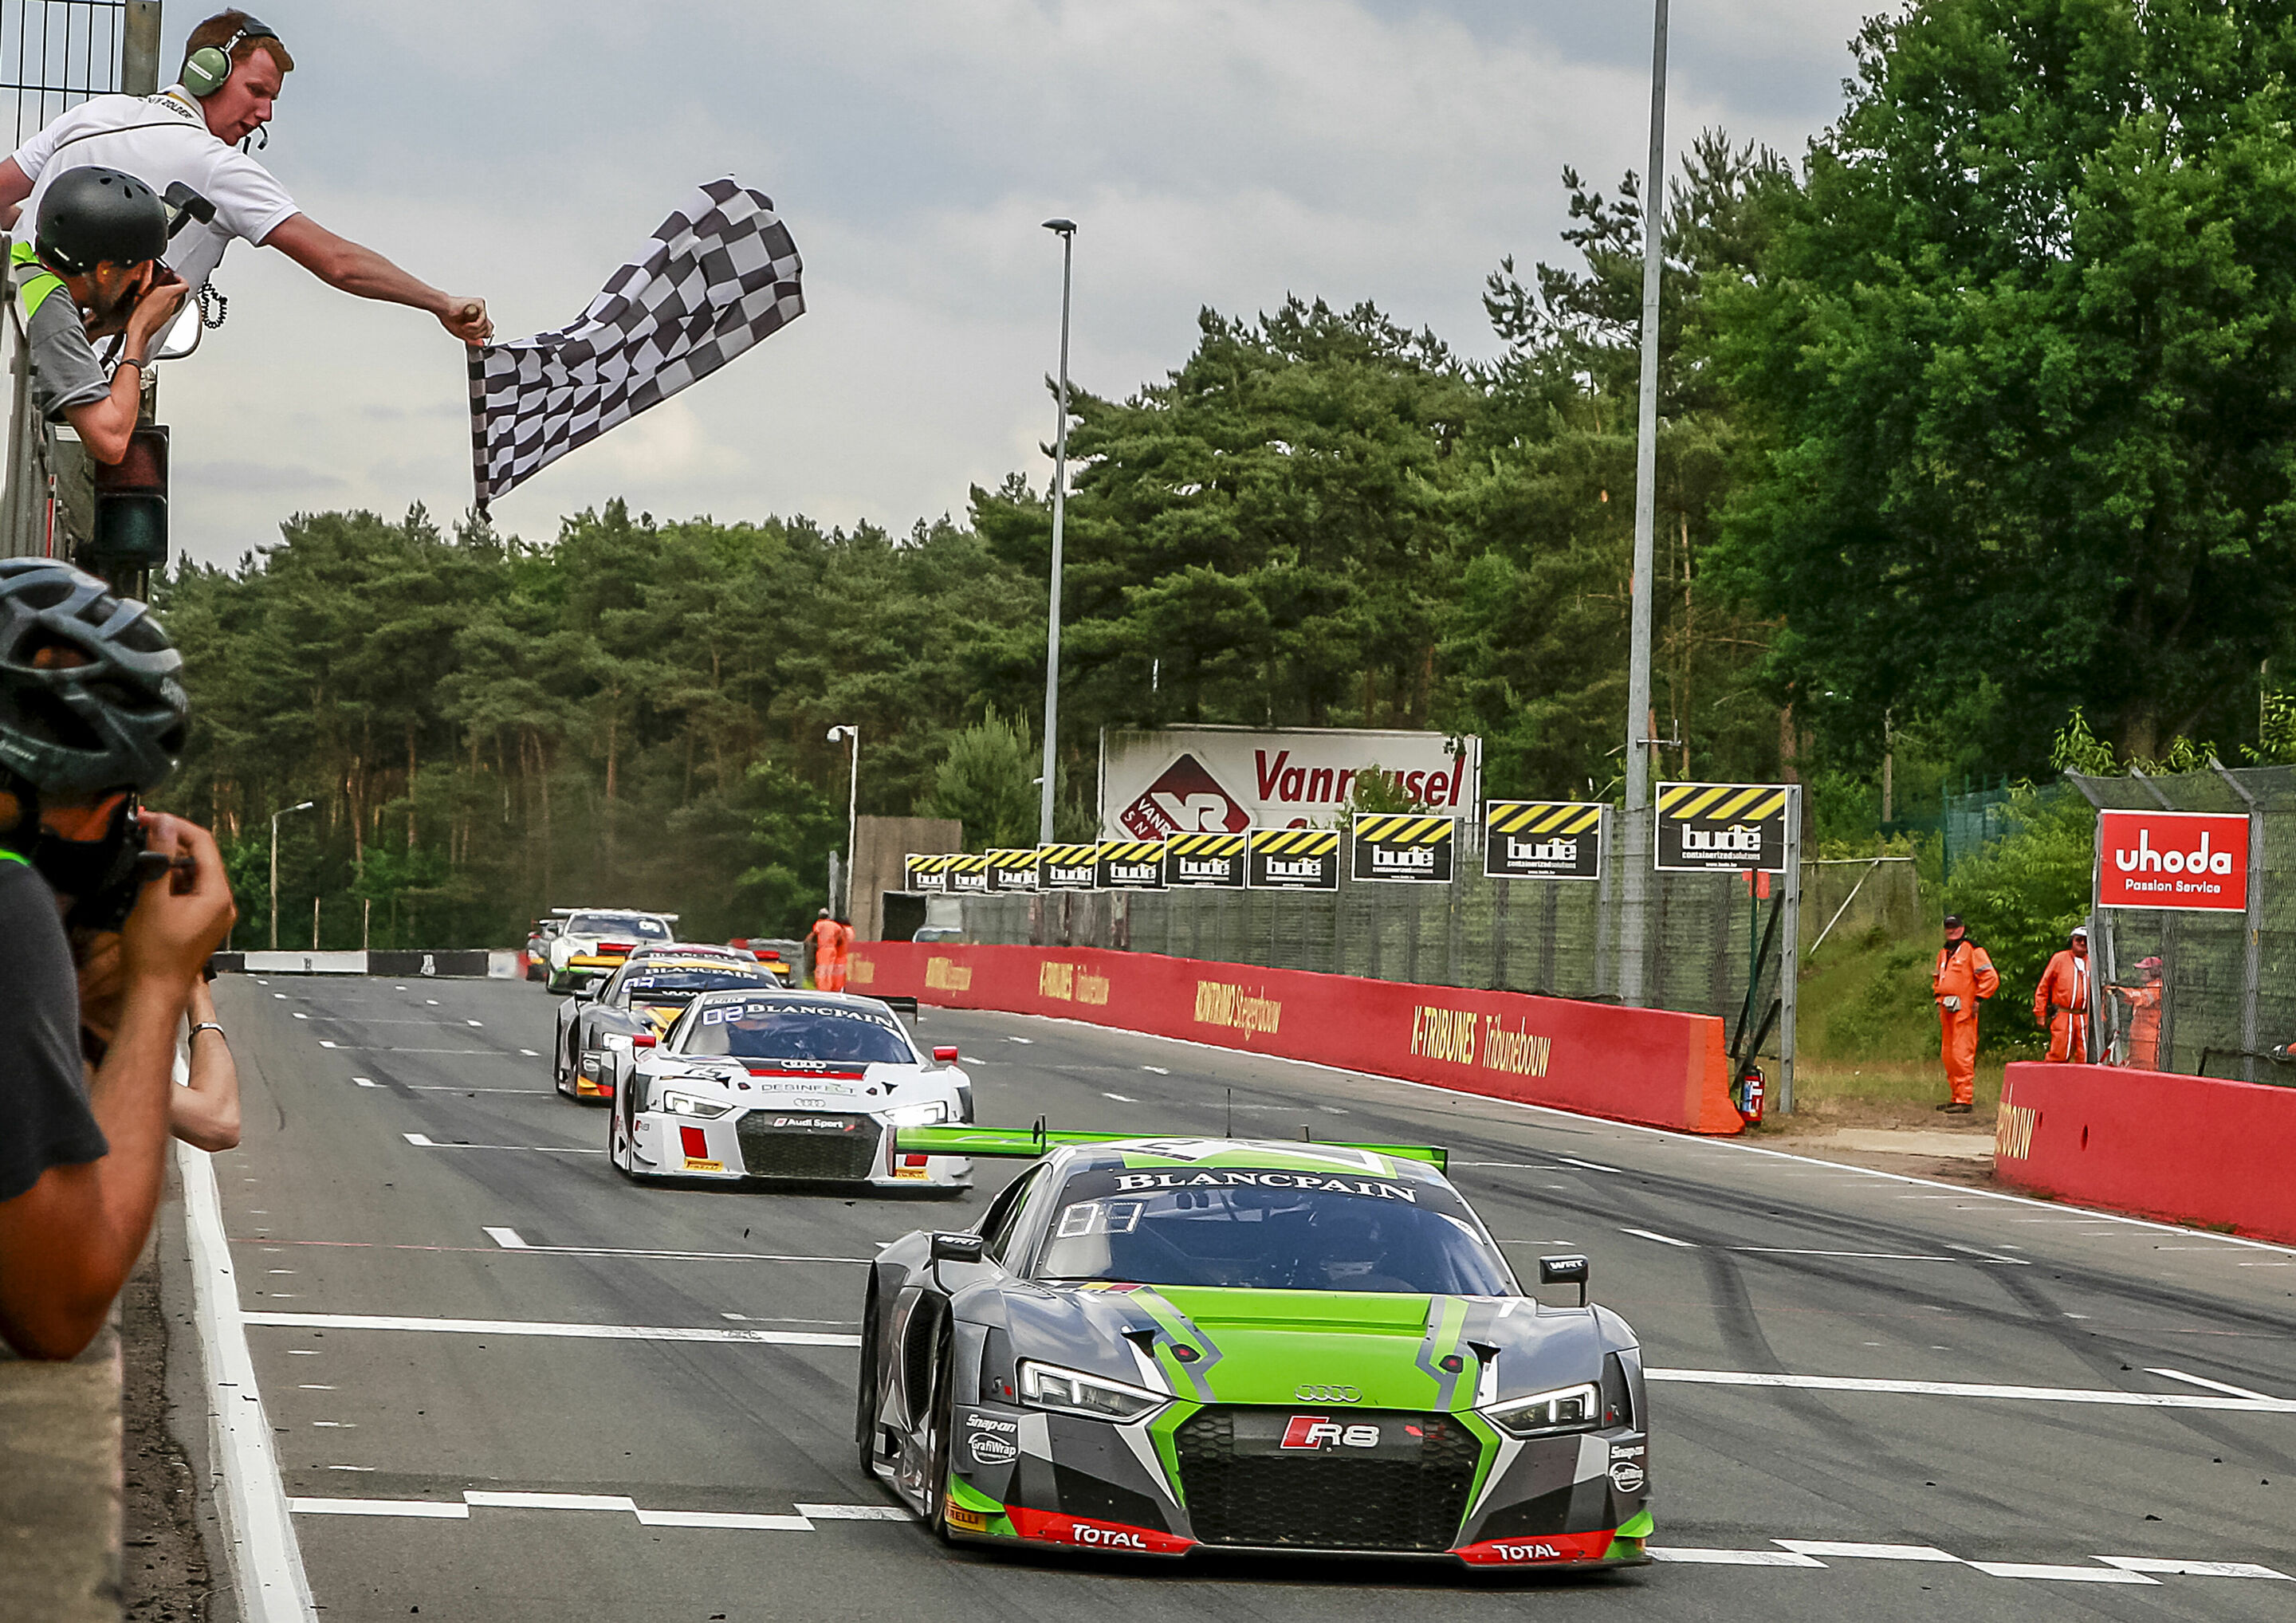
1223 780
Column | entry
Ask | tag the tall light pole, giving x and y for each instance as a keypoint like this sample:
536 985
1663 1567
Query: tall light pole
1634 850
281 812
852 810
1066 230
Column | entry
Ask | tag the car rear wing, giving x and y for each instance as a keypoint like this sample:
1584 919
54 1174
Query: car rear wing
568 912
898 1005
1029 1142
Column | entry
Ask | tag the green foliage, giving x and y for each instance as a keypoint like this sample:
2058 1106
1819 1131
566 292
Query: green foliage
987 781
2017 358
2022 896
1874 1003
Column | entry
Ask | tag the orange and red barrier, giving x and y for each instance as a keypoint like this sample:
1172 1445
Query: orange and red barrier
2188 1148
1651 1066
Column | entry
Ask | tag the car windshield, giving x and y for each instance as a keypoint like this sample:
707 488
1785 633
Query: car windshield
776 1028
682 985
1270 1229
617 924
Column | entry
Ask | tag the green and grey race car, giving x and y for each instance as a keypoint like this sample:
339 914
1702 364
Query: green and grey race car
1154 1345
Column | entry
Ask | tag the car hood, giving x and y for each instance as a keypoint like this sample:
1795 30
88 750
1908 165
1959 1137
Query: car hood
874 1087
1376 1348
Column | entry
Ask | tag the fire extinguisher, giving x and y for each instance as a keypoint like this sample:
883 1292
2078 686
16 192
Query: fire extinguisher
1752 1092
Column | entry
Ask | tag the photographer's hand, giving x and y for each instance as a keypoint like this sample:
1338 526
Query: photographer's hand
153 313
178 921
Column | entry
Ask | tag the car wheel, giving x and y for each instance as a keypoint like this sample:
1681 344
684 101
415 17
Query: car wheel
554 982
864 1409
941 1422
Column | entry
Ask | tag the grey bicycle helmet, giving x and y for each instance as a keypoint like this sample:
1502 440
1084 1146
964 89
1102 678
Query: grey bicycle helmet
91 697
90 214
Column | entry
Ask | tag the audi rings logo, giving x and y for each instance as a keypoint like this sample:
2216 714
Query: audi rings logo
1326 1394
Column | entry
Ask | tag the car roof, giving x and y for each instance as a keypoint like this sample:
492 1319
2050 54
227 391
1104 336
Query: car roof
1179 1153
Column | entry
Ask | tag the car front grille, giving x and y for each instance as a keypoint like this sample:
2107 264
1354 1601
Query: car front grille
1406 1495
808 1144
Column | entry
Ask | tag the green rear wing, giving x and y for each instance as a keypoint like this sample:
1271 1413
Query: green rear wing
1029 1142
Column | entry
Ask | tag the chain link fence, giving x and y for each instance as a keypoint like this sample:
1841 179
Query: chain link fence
2225 997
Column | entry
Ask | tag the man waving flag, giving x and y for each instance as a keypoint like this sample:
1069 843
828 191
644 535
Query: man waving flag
719 275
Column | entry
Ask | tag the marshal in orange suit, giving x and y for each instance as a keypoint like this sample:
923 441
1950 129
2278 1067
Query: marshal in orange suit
1964 977
2061 1001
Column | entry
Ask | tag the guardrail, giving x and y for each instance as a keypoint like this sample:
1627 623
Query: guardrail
452 963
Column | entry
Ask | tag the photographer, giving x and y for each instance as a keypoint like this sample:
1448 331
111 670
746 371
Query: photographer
91 713
94 271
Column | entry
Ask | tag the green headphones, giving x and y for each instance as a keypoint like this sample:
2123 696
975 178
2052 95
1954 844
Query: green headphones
209 68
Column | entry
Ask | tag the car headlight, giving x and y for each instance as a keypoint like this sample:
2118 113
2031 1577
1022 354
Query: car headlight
615 1042
1571 1408
917 1115
1047 1385
689 1104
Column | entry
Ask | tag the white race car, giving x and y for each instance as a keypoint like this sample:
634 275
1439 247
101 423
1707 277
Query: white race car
593 942
785 1086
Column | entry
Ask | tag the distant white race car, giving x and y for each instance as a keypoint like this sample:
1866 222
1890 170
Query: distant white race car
785 1086
593 942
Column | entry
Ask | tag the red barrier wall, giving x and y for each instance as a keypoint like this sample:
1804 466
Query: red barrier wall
1645 1065
2188 1148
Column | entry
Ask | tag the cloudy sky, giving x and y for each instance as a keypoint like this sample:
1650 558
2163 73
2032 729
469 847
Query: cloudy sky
1214 152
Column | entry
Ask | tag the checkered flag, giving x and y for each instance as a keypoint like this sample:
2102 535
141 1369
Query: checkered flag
718 275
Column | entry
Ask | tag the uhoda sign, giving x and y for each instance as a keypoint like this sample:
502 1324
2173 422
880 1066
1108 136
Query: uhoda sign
2188 860
1711 828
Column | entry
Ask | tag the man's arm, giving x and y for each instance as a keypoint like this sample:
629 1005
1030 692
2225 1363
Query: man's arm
14 188
341 263
68 1242
205 1114
105 426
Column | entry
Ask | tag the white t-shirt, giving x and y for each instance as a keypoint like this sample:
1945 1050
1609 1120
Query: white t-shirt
160 139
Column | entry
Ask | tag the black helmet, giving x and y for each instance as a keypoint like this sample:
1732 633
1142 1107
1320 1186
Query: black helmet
90 214
117 720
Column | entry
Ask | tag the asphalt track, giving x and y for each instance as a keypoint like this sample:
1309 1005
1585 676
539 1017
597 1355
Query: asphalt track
412 1202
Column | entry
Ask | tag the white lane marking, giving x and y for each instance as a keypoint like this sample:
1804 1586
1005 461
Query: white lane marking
661 1255
1732 1558
1865 1551
2193 1569
507 1238
312 1386
422 1141
529 1054
1572 1160
302 1352
1121 1098
2068 1575
1159 1069
282 996
2214 1386
470 1022
1964 1389
325 1044
299 1014
444 1510
1644 1234
724 1518
365 1468
1803 1250
1971 1250
532 1327
448 1087
431 1002
366 1081
854 1513
970 1058
337 1425
550 1501
1025 1042
253 1500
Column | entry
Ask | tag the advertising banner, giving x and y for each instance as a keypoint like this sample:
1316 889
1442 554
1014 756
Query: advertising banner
2186 861
1067 867
968 875
1204 861
1292 859
1129 865
1224 779
1406 849
1010 870
1542 840
928 874
1722 828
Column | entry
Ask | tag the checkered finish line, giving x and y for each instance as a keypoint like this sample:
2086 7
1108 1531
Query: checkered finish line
718 275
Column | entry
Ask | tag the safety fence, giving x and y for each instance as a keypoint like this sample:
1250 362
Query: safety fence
2224 996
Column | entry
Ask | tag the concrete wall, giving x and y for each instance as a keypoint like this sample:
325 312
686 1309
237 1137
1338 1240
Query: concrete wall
881 845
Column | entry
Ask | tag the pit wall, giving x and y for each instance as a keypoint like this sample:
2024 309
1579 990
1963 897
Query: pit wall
1650 1066
2188 1148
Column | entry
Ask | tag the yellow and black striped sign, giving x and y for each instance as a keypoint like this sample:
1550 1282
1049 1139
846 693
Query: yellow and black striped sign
968 875
1067 867
1129 865
1706 827
1206 861
926 873
1292 859
1406 849
1013 869
1542 840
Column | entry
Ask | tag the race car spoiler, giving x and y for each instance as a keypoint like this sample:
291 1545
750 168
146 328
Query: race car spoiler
1029 1142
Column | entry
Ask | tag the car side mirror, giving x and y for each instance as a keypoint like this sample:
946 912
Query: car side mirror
946 1056
958 1247
643 1039
1564 1271
585 990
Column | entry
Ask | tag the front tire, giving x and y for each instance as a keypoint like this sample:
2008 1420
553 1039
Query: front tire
864 1414
937 1429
